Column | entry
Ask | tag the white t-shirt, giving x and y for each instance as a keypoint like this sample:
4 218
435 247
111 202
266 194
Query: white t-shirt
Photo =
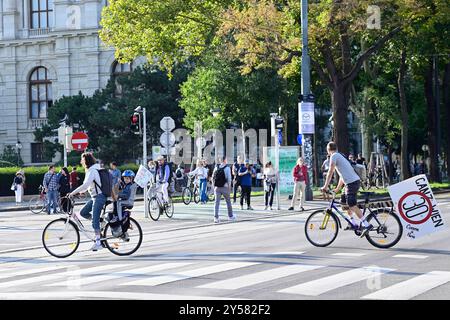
344 168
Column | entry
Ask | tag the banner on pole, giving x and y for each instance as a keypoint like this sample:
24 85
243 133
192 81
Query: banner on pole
143 177
288 160
417 207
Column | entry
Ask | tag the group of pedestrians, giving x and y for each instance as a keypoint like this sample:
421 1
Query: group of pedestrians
57 185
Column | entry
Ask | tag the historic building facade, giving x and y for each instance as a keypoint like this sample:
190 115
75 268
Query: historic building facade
48 49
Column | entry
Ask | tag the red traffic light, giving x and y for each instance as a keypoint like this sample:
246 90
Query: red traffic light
135 119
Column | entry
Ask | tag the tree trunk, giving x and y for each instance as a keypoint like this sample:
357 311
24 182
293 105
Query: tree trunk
446 97
340 97
405 173
432 123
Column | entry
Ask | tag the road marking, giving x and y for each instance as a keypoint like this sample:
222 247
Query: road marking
320 286
120 274
260 277
410 256
183 275
71 272
289 253
348 254
103 295
411 288
5 274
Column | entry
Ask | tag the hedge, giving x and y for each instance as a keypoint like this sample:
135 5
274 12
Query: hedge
35 175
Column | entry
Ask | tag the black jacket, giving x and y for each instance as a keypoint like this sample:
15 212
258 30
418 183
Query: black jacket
64 185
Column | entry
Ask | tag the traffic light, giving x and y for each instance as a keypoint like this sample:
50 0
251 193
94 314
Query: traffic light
279 123
136 123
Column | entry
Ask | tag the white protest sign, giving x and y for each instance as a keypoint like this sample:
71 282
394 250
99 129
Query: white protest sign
143 177
415 204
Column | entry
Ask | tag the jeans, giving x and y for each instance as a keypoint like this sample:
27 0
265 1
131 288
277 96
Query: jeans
269 194
52 198
203 185
246 192
225 191
95 205
236 185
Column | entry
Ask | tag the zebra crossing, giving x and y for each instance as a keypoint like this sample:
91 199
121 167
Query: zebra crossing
290 280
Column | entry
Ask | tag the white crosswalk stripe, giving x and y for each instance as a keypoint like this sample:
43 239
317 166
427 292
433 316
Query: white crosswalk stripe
260 277
183 275
410 256
322 285
9 273
71 272
121 274
413 287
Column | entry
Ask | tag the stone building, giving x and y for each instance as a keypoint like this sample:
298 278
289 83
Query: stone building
48 49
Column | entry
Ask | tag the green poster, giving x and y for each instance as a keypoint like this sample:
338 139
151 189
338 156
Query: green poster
288 160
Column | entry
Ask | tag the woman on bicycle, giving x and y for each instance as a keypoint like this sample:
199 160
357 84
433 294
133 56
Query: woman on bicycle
98 199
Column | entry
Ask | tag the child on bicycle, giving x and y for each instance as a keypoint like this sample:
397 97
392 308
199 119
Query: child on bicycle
126 195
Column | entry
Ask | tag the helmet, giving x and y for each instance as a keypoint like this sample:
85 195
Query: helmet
128 173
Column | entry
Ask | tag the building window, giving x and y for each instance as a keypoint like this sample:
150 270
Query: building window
41 13
40 93
38 154
120 70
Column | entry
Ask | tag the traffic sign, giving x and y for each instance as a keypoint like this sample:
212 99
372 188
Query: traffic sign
167 139
80 141
280 137
299 139
201 143
167 124
306 117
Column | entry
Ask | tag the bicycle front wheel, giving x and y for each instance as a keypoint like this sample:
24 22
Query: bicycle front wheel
154 209
196 196
169 209
127 243
61 238
37 205
387 228
186 196
321 228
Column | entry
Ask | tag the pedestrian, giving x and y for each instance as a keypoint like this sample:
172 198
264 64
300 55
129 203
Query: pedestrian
92 183
51 186
351 158
361 160
115 173
64 189
73 179
222 187
245 173
270 184
24 184
201 173
236 178
18 187
300 174
325 167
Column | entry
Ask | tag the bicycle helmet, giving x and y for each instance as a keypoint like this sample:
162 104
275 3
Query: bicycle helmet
128 173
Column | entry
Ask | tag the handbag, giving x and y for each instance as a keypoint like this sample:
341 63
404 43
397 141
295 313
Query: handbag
13 187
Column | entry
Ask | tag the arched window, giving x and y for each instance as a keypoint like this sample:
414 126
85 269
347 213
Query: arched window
120 70
41 13
40 93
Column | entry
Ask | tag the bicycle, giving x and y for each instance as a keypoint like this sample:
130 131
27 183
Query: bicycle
38 203
322 226
61 237
156 205
191 191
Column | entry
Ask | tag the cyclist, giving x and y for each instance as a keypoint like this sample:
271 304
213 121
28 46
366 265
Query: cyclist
349 178
163 177
125 198
98 199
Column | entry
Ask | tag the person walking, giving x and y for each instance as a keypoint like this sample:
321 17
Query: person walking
51 186
245 173
222 187
64 188
300 174
18 187
236 178
73 179
201 173
270 184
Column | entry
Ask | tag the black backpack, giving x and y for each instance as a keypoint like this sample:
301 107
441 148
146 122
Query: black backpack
219 177
106 181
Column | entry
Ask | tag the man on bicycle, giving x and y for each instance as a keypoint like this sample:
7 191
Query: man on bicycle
351 180
162 177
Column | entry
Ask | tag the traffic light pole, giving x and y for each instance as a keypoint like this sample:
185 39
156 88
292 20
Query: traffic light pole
144 157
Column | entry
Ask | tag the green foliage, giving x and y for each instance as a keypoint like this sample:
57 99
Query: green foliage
10 157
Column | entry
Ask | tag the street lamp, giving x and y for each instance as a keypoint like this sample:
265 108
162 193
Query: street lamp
18 147
215 113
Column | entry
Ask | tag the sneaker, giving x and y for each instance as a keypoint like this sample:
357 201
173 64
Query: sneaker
265 208
96 246
216 220
365 230
232 218
291 209
250 208
125 237
242 207
271 208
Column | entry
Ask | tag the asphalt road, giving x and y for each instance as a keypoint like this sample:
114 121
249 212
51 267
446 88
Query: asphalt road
264 255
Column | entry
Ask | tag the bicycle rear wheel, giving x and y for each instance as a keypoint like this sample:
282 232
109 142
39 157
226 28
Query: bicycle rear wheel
169 209
387 228
186 196
37 205
61 238
154 209
126 244
196 195
321 228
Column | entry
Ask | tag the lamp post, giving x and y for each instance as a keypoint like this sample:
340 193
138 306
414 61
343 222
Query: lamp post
215 113
142 111
18 147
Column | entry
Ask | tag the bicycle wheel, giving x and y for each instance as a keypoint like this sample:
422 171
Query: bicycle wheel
169 209
127 243
321 228
61 238
196 195
154 209
211 194
37 205
387 228
186 196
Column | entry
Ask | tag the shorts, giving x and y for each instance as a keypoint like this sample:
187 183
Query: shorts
350 196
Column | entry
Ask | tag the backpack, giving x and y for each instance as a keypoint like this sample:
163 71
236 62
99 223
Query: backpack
107 182
178 173
360 169
219 177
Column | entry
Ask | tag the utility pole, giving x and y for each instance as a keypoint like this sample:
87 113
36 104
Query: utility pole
275 132
437 116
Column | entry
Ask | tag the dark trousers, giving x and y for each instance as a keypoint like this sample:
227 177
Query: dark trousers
246 192
235 188
269 194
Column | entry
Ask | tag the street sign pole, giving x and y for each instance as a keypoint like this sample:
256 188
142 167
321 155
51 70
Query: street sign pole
275 133
168 142
65 145
144 158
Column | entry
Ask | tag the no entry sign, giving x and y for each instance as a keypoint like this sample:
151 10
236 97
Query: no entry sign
80 141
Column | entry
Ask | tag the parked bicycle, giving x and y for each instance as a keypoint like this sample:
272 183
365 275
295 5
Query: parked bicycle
322 226
38 203
61 237
156 205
